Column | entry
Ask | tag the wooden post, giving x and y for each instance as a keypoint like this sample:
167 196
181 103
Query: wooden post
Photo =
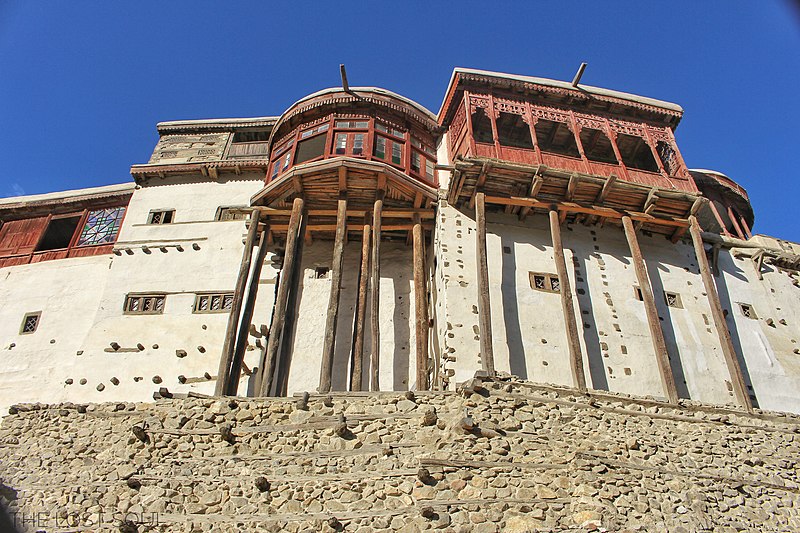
484 305
567 305
284 360
326 373
736 225
267 369
656 333
375 293
226 358
356 370
247 315
420 306
735 371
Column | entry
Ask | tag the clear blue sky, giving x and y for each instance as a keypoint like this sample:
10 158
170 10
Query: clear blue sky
82 84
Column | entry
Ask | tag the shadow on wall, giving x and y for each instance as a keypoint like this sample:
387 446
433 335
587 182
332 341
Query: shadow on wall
727 304
511 318
591 336
402 333
654 270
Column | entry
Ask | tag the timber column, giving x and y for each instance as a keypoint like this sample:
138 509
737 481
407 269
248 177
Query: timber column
333 302
656 333
735 371
356 367
420 305
567 305
375 293
228 347
484 306
267 366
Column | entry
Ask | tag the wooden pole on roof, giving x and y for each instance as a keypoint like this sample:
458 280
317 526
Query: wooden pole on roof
356 366
420 306
326 373
656 333
484 305
267 370
375 292
567 305
226 358
247 314
732 362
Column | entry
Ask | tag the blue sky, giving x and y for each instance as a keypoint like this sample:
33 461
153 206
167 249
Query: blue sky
82 84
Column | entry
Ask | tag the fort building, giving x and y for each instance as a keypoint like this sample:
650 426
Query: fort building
541 229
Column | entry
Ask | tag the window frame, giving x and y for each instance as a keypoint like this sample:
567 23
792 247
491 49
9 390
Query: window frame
223 295
126 307
549 279
221 210
154 212
25 317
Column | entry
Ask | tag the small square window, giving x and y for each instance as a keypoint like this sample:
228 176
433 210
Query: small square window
232 213
161 217
144 304
213 302
321 272
29 323
544 282
748 311
637 291
673 299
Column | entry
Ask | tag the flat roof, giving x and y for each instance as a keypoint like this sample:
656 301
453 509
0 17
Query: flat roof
76 194
675 108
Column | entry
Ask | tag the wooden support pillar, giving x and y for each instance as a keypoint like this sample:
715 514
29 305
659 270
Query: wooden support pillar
326 372
375 294
247 315
735 371
567 305
717 216
746 228
420 306
736 226
228 346
356 371
267 367
656 333
484 306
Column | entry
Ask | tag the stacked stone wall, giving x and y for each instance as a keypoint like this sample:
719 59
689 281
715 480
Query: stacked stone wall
497 456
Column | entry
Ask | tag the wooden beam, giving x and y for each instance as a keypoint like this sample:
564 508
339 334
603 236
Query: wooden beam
603 194
351 213
329 344
484 305
536 185
352 227
567 305
571 186
731 360
571 207
267 367
247 315
342 179
356 371
481 180
420 308
736 226
375 294
228 345
656 333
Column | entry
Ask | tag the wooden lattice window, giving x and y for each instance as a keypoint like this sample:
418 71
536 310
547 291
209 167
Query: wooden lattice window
29 323
144 304
544 282
748 311
101 227
163 216
218 302
673 299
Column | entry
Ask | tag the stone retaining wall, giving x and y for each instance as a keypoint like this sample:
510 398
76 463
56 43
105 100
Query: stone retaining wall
500 456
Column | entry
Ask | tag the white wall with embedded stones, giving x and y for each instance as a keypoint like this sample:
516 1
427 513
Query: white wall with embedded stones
529 336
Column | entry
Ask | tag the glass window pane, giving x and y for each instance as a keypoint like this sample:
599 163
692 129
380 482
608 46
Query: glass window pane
358 144
101 226
415 162
380 147
429 168
341 143
397 153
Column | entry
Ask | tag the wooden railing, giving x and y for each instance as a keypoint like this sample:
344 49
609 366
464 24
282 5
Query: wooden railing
250 150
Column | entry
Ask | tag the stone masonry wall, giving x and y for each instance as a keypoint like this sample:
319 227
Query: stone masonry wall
498 456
